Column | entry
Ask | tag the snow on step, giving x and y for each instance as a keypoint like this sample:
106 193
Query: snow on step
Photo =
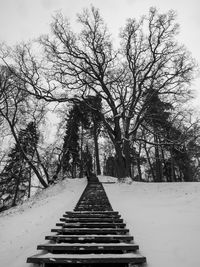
92 215
89 246
90 230
90 225
91 219
99 245
94 238
92 212
87 258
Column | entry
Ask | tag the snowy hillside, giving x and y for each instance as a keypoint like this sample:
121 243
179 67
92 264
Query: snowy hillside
24 227
163 218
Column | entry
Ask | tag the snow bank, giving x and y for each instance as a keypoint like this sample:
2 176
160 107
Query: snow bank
112 180
24 227
163 218
107 179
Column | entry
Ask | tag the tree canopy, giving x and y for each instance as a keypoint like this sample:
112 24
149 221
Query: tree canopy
131 93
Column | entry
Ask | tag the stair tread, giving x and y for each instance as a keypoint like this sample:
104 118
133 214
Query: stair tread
93 223
91 236
90 230
90 225
87 258
91 255
86 211
89 247
94 215
86 228
121 244
91 219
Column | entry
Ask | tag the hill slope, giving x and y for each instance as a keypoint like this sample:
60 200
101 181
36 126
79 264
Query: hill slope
24 227
164 219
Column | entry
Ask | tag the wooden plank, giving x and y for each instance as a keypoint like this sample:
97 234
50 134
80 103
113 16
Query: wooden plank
90 225
89 247
87 258
91 220
91 215
90 238
90 231
98 212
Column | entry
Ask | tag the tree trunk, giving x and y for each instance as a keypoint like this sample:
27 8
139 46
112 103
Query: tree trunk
138 164
187 172
157 160
42 165
16 192
29 184
17 187
74 169
122 162
81 153
122 150
96 147
187 176
173 176
149 161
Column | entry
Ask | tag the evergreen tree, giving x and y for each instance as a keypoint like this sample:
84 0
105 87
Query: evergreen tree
92 117
15 177
87 161
70 157
84 115
158 117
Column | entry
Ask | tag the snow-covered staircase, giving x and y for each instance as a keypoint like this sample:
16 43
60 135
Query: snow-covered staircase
91 235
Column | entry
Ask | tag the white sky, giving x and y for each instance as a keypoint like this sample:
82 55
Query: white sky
22 20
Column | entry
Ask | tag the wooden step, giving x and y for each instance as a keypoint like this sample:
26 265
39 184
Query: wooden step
90 238
91 215
98 212
89 247
87 258
91 208
91 225
112 220
90 231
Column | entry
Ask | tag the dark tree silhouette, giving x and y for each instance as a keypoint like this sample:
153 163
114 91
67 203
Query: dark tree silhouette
71 144
84 115
15 178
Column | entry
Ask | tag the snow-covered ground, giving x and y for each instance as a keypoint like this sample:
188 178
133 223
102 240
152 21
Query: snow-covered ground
24 227
163 218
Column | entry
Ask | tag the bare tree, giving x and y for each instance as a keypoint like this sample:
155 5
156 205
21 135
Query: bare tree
80 64
13 109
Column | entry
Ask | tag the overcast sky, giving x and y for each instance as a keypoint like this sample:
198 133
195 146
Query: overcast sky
22 20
